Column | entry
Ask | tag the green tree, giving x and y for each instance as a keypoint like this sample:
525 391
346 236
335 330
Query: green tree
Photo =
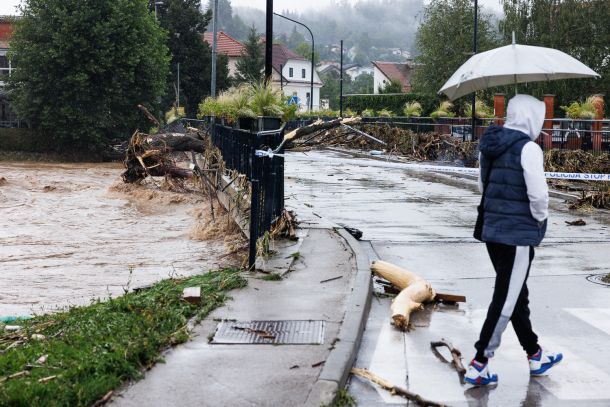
304 50
361 84
444 40
185 24
394 86
580 28
295 39
252 61
85 66
331 89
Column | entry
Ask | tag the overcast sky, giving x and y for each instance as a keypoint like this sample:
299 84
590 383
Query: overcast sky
8 6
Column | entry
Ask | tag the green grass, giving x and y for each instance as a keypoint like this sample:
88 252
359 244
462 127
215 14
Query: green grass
271 277
95 348
343 399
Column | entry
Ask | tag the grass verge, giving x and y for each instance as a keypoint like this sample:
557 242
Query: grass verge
91 350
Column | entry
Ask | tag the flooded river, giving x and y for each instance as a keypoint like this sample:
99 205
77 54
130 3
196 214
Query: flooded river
73 232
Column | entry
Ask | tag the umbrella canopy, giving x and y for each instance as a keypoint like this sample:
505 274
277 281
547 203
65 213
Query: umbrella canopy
513 64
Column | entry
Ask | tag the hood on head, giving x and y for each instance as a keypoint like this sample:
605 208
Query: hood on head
525 113
497 140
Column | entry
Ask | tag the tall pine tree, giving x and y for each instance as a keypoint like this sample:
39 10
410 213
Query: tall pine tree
252 62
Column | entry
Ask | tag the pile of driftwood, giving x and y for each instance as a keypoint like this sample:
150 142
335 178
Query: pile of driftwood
595 194
417 146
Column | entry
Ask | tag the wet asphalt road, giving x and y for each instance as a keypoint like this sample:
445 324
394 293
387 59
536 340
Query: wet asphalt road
423 222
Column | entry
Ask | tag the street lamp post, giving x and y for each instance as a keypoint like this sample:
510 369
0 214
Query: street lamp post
341 83
474 51
312 57
269 42
214 45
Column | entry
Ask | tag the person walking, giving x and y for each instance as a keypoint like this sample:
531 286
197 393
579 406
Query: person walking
514 212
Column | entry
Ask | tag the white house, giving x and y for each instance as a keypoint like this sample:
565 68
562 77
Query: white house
7 116
292 74
226 45
355 70
384 72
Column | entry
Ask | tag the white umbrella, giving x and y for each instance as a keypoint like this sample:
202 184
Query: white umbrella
513 64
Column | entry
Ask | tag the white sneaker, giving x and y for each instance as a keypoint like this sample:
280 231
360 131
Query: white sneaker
478 374
542 361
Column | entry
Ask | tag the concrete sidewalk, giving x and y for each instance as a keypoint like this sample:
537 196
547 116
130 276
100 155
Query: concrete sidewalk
200 373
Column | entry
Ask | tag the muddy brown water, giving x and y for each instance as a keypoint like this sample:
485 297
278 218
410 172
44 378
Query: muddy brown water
70 233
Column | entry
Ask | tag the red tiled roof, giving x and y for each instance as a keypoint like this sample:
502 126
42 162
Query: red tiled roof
225 45
399 71
281 55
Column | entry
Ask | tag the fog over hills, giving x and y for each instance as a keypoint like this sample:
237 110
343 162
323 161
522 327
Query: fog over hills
371 26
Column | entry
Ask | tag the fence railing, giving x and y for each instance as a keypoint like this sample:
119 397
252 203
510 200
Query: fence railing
238 148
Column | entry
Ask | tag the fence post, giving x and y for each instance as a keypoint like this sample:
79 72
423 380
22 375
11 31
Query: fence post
597 125
499 108
547 140
254 223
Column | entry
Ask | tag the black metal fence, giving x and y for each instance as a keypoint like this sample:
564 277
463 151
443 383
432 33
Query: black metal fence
238 148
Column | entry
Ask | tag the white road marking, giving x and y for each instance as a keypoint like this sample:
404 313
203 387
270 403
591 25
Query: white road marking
387 363
574 378
597 317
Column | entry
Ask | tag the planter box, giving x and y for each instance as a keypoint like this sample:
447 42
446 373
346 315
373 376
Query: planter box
264 123
246 123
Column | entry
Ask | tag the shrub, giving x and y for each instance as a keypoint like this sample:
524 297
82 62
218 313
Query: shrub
385 113
585 110
395 103
482 111
443 110
412 109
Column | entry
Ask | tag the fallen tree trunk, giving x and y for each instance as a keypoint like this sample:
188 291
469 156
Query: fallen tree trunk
416 398
150 155
414 291
320 125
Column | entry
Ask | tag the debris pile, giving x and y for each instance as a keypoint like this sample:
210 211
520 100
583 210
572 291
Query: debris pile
595 194
417 146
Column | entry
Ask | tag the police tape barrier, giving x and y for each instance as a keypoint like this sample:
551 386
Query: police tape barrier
427 167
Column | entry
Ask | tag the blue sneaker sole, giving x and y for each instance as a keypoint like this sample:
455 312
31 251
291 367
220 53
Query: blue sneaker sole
484 382
546 366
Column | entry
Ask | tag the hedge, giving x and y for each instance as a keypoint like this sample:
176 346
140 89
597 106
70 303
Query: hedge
24 139
393 102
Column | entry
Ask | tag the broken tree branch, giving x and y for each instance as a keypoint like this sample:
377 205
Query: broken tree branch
456 355
416 398
320 125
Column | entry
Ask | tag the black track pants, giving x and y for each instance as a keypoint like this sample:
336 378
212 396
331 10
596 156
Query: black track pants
509 301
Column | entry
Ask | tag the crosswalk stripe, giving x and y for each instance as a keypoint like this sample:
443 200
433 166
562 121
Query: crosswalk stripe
385 363
597 317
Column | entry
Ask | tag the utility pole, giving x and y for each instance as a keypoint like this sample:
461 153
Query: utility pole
214 41
178 89
341 84
474 51
269 42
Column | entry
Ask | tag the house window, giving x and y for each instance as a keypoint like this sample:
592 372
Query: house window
290 72
303 73
5 66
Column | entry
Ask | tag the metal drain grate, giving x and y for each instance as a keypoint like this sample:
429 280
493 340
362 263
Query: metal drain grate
598 279
270 332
